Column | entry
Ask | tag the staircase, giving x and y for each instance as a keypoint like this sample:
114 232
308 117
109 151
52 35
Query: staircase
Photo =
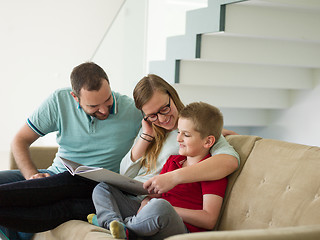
247 57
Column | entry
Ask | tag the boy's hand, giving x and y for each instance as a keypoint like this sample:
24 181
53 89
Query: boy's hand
147 199
143 203
161 183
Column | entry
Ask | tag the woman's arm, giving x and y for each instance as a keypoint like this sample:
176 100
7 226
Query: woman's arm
213 168
226 132
130 165
205 218
143 141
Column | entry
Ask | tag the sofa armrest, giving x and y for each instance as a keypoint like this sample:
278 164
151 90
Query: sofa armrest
41 156
310 232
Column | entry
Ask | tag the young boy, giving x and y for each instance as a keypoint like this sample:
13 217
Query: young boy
191 207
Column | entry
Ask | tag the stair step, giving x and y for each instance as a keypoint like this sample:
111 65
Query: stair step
182 46
232 97
234 117
223 46
203 19
213 73
165 69
274 19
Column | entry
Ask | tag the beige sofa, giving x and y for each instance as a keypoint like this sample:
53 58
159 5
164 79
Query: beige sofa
275 194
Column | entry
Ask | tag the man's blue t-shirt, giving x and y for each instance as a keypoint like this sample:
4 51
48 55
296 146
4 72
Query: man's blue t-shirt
85 139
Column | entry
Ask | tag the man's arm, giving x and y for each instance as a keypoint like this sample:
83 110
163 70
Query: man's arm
20 149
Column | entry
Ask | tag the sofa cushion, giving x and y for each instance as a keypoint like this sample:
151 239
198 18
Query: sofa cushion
310 232
278 187
74 230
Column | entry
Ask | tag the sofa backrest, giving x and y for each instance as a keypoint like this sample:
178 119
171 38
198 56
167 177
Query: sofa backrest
278 186
243 145
41 156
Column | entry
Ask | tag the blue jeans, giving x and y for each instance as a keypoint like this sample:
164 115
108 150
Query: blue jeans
157 219
42 204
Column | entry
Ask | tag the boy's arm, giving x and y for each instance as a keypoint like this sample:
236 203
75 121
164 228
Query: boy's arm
205 218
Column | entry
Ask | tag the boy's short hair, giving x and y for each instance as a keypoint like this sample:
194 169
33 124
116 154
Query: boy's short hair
207 119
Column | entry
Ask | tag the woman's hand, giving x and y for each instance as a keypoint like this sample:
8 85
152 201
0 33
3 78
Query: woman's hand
147 127
226 132
141 145
161 183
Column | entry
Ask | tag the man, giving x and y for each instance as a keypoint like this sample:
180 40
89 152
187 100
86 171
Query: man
95 127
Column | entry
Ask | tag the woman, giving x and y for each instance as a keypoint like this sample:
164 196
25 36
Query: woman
160 105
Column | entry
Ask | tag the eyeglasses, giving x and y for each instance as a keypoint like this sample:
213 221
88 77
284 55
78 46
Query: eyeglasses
163 111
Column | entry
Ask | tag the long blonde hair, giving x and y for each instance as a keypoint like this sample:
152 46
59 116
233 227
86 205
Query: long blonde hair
142 93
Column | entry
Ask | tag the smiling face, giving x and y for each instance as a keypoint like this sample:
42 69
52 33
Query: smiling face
96 103
190 142
157 102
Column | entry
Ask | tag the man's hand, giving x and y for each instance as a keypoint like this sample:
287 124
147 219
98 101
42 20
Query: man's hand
161 183
39 175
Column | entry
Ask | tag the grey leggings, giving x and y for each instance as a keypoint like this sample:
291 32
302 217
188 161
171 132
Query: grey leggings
157 219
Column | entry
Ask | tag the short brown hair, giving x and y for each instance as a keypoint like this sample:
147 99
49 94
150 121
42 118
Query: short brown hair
207 119
88 76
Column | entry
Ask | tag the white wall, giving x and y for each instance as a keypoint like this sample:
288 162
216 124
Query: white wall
41 41
301 122
123 50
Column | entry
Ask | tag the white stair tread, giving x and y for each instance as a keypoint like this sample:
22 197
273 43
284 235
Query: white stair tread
230 97
245 117
274 19
214 73
310 5
242 48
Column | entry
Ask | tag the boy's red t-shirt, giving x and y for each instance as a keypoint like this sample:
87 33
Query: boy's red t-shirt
190 195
